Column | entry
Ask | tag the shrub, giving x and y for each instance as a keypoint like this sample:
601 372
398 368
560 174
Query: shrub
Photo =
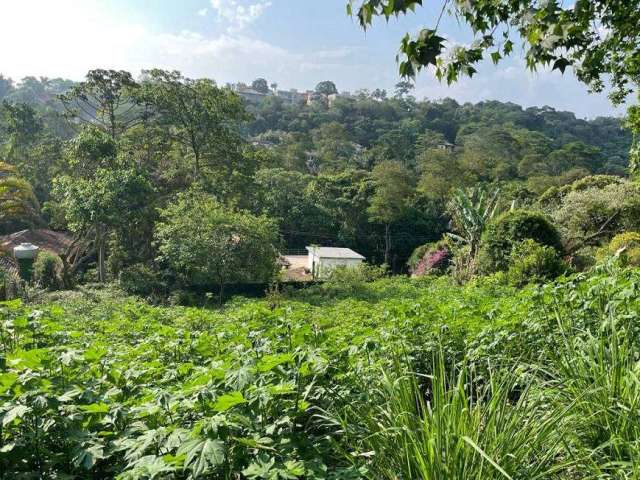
140 279
47 271
510 228
552 198
591 215
531 262
434 262
204 243
627 246
432 258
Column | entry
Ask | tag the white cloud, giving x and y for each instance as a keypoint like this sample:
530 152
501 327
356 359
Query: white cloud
203 12
238 15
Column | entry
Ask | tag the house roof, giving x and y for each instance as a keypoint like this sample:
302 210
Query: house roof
55 242
334 252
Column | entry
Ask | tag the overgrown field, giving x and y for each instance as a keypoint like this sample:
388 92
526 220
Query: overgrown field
394 379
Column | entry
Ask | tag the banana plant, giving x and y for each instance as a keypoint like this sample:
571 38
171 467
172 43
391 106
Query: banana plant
470 212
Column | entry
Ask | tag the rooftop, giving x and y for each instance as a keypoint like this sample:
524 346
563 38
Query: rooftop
335 252
55 242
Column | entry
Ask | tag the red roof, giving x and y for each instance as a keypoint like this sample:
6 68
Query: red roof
56 242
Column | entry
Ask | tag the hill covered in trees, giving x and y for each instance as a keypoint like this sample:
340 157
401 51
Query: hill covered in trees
370 171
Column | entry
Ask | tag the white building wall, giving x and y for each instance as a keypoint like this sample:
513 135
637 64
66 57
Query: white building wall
324 266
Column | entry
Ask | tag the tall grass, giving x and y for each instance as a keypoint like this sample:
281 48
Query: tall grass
447 426
598 373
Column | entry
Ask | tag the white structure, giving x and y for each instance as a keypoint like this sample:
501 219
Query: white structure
322 260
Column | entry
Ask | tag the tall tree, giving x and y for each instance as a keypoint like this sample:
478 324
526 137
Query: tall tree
402 89
105 99
6 86
326 87
393 188
95 206
200 116
260 85
204 242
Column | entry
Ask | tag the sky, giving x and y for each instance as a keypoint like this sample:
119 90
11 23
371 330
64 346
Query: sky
294 43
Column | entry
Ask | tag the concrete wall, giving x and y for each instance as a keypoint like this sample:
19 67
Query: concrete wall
324 266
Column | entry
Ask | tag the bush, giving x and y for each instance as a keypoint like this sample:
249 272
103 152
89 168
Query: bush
140 279
48 271
436 259
626 246
552 198
531 262
510 228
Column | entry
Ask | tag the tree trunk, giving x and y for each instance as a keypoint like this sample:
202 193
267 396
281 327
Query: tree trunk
221 294
100 246
387 243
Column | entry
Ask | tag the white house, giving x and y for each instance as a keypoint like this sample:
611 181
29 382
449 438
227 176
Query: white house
322 260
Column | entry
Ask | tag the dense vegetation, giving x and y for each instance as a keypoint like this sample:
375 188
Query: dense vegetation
370 171
533 383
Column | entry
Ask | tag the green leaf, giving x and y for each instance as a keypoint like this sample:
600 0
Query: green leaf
269 362
202 454
86 458
228 401
259 469
95 408
15 413
7 380
561 64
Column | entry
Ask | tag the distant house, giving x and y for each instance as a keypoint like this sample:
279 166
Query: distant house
322 260
449 147
291 96
251 95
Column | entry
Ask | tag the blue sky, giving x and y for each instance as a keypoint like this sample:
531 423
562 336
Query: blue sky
295 43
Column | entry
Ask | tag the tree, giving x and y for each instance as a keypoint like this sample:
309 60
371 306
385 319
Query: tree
598 38
203 242
393 188
6 86
260 85
199 116
587 216
95 206
17 201
402 89
105 100
326 87
91 149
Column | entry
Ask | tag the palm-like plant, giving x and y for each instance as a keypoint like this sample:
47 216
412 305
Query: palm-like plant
470 212
17 200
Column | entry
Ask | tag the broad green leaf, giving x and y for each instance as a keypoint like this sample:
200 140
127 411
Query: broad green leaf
16 412
95 408
269 362
228 401
202 454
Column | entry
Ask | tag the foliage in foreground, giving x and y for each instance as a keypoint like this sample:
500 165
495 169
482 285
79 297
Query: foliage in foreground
369 381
